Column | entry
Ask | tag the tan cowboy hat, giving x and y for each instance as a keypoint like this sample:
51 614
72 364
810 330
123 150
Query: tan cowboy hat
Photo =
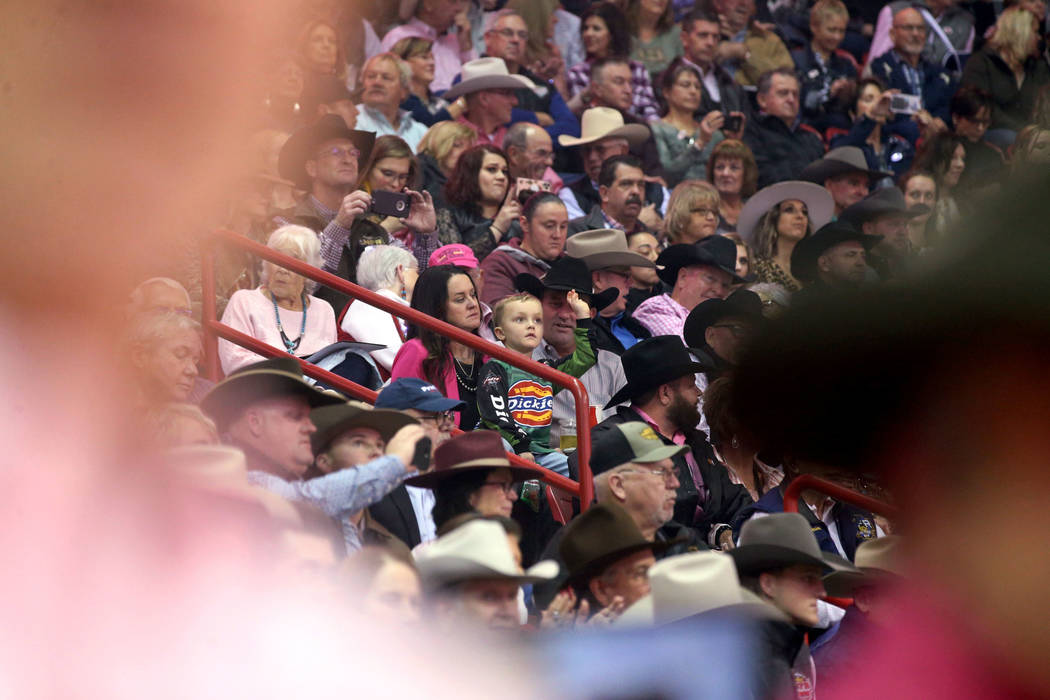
332 421
818 202
879 560
840 161
486 74
602 248
693 584
598 123
476 550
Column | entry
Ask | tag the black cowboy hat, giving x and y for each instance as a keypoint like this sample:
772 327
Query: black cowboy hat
277 376
742 303
716 251
654 361
806 253
564 274
888 200
840 161
599 537
302 146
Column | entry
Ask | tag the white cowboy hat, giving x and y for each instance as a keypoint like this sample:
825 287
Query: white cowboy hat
476 550
818 201
602 122
486 74
692 584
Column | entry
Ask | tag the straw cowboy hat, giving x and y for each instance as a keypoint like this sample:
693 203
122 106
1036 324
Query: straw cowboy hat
478 449
566 273
602 248
878 561
840 161
486 74
818 202
302 146
598 123
476 550
332 421
779 540
692 584
278 376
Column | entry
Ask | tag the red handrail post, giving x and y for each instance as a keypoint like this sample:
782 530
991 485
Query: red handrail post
208 314
808 482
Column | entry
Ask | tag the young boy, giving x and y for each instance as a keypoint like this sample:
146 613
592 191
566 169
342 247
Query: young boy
827 74
519 404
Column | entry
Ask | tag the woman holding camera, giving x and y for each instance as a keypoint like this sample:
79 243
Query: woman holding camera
481 203
888 145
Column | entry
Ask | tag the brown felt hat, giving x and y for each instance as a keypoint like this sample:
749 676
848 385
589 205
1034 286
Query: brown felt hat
599 537
478 449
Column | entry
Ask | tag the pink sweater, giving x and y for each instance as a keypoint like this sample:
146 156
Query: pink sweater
250 311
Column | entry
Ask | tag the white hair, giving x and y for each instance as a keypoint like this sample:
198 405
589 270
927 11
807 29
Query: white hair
493 18
404 71
377 266
137 298
147 330
298 242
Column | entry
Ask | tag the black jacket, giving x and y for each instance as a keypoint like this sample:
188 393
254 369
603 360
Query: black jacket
592 220
786 667
725 500
603 337
587 196
395 513
1011 106
781 152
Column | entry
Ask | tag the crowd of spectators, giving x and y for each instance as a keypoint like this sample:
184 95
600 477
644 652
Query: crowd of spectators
628 192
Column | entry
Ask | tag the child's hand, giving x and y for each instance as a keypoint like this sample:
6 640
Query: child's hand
581 308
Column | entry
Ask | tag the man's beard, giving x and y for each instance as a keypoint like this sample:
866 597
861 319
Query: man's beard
684 415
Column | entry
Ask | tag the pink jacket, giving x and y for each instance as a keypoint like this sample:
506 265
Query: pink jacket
409 363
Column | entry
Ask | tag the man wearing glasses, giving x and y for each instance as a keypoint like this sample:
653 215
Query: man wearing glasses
406 511
717 329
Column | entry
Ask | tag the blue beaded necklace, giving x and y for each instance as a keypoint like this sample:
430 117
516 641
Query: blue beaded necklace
290 345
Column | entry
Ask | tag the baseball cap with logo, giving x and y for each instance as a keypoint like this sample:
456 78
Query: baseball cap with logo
453 254
410 392
629 442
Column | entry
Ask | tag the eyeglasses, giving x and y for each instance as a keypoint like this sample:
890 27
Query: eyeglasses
507 487
706 211
665 473
736 329
509 33
442 419
338 152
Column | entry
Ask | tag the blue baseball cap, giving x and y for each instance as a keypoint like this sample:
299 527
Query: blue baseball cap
411 392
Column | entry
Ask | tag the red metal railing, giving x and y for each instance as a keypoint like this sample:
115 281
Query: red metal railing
808 482
213 330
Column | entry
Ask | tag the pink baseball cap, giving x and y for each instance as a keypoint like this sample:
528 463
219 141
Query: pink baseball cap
454 254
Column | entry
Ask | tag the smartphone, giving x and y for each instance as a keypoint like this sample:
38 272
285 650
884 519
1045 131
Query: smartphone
421 458
905 104
733 122
526 188
395 204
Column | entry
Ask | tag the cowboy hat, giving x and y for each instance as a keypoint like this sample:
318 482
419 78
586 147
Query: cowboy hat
877 561
602 248
743 303
652 362
716 251
696 583
778 540
486 74
633 441
818 201
332 421
277 376
473 451
806 253
840 161
564 274
888 200
598 538
302 146
598 123
476 550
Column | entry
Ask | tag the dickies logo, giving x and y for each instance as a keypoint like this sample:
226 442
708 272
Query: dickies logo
530 403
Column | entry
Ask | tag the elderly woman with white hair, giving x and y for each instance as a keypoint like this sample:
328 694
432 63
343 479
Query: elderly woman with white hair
164 349
390 272
281 312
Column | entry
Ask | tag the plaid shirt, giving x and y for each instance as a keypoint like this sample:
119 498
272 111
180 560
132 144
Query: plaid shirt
662 315
644 104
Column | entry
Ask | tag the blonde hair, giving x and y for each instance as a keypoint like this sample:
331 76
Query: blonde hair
500 308
439 139
687 195
1013 32
823 10
161 424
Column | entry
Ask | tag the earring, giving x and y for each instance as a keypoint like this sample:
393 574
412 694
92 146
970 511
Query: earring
735 443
